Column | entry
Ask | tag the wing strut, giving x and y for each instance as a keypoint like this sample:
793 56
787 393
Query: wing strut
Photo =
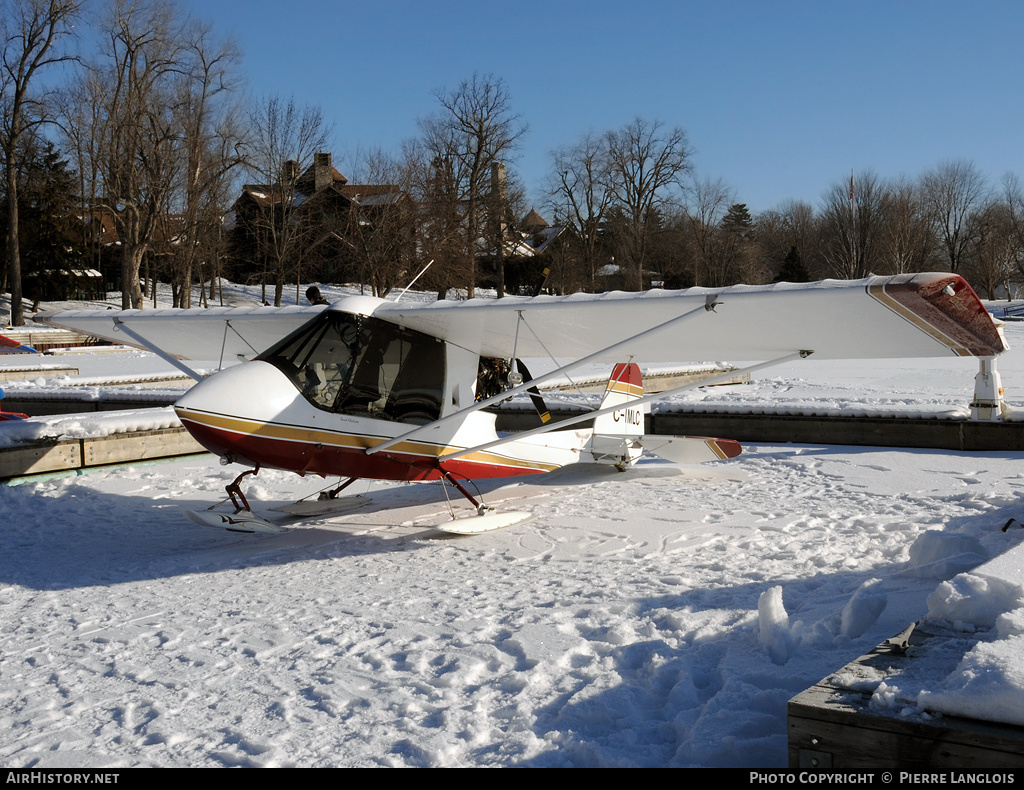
121 326
590 415
708 307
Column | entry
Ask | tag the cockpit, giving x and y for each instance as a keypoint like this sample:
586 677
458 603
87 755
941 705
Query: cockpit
359 365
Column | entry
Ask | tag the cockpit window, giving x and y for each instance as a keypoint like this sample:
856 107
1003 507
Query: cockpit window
358 365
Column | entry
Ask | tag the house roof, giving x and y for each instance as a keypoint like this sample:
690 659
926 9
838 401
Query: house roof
369 193
533 221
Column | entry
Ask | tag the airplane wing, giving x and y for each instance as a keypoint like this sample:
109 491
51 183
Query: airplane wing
919 315
237 333
915 315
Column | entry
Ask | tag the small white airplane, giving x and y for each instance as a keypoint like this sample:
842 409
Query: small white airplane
397 391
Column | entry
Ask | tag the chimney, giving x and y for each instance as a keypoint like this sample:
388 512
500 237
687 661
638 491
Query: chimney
322 176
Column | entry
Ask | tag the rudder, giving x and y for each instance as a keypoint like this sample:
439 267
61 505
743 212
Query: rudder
617 434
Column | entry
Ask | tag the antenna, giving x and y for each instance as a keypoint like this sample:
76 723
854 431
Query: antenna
414 279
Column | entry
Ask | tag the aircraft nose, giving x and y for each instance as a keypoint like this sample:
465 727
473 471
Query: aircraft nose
224 411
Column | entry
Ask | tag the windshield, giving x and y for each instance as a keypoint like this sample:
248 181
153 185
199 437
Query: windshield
352 364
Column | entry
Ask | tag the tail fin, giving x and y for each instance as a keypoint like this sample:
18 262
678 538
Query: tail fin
619 436
616 435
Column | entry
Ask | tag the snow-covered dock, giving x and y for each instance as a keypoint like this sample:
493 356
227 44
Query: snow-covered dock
885 710
832 728
22 372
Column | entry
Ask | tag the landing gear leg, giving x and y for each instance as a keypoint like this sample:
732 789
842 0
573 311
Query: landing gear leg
243 519
485 519
480 507
333 493
235 491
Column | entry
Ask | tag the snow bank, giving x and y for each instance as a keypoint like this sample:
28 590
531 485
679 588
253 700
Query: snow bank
863 609
988 683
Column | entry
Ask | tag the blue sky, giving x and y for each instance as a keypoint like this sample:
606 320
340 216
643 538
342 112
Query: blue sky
779 99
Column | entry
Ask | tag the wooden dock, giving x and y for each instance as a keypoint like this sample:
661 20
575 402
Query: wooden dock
775 428
832 728
49 339
65 455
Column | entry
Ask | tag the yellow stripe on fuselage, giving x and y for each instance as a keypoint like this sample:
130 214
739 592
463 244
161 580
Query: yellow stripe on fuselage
713 445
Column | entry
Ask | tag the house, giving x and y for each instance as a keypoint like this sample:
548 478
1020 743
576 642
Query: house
526 252
314 224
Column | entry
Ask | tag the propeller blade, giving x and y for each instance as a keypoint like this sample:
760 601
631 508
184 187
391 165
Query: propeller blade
534 393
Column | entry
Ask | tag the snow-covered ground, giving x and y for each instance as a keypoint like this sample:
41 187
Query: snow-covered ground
662 616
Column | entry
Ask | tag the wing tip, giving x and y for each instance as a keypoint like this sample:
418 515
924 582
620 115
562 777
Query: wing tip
944 306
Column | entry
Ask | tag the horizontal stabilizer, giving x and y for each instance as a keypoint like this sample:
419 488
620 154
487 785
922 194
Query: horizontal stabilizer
690 449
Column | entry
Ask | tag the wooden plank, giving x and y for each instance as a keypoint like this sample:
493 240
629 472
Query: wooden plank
126 447
863 742
41 407
36 459
71 454
43 340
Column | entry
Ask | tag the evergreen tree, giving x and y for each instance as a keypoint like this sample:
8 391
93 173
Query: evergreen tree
50 237
738 220
793 269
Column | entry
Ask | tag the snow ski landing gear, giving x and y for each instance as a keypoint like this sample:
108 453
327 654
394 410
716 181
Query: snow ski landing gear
242 520
485 519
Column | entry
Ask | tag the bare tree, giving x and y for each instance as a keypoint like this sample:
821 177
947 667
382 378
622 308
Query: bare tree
133 139
648 162
33 31
1013 199
740 261
907 242
284 139
851 223
440 228
581 189
788 234
384 233
952 193
82 127
210 135
710 200
995 253
476 128
502 204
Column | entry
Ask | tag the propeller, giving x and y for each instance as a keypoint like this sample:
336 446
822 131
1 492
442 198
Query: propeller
538 402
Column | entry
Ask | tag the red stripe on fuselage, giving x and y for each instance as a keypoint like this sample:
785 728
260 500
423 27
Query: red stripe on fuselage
329 460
